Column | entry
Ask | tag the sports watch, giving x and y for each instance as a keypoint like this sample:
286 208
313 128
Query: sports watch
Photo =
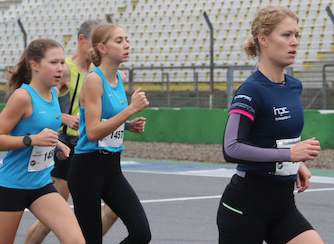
27 140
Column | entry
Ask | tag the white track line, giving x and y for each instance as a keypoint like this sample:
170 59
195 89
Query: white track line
217 196
205 197
222 173
180 199
317 190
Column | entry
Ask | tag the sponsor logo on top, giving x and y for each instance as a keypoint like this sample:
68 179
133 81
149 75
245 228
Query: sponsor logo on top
243 97
281 113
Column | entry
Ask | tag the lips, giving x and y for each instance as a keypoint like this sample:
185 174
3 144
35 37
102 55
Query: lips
293 52
58 77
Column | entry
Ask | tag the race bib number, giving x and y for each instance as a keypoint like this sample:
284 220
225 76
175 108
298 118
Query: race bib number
41 158
287 168
115 139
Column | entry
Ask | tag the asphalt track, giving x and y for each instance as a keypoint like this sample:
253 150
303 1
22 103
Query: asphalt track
181 201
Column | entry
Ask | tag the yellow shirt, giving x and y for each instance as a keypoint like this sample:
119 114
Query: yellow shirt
69 101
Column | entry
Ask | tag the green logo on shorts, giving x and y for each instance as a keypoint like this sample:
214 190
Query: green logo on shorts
279 165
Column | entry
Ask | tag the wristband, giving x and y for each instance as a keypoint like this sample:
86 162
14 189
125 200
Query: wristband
127 125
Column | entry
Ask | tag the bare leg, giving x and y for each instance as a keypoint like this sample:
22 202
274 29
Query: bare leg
108 218
309 237
37 231
9 222
53 211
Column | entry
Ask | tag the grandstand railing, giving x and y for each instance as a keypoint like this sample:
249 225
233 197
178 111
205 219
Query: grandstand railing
325 85
222 97
165 82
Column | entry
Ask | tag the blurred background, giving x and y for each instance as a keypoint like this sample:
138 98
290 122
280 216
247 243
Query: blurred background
184 53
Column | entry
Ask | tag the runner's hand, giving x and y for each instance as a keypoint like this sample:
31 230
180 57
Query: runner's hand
137 124
72 121
46 138
138 101
305 150
63 151
303 179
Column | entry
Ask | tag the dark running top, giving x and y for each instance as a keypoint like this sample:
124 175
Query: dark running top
265 120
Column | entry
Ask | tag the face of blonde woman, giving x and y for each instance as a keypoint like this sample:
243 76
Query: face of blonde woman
281 45
118 47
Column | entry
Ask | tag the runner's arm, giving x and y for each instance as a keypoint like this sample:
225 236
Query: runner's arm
236 150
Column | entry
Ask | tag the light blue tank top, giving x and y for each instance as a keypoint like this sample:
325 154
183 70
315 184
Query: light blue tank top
14 170
113 101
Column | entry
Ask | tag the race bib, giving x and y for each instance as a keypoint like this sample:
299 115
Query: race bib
115 139
287 168
41 158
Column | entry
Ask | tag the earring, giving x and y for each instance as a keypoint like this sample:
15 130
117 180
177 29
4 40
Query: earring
265 47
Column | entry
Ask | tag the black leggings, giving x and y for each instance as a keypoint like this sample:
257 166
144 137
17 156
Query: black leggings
95 176
252 210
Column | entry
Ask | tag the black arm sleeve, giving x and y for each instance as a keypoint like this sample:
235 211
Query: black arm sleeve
235 149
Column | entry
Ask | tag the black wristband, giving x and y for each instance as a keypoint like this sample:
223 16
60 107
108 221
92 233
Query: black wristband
127 125
27 140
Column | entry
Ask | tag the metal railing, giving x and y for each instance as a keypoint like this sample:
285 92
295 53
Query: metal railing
166 96
325 85
225 98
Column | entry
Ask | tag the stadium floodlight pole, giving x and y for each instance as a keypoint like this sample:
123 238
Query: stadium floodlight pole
24 32
330 13
324 82
211 57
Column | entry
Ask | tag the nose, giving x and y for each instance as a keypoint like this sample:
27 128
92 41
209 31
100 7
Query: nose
60 68
127 45
295 41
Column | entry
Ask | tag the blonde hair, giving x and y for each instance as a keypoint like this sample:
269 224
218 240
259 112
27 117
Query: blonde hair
101 34
22 73
264 22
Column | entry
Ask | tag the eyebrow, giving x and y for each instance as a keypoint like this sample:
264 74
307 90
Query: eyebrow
121 37
291 31
56 59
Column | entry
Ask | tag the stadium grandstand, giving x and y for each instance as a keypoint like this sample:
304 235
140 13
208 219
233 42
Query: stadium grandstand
170 41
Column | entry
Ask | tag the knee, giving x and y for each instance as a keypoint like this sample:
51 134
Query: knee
142 237
36 233
74 239
147 238
109 214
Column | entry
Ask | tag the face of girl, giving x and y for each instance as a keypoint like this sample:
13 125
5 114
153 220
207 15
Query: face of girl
51 67
117 47
282 43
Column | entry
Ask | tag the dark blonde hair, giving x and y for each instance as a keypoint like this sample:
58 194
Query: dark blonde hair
21 73
264 22
101 34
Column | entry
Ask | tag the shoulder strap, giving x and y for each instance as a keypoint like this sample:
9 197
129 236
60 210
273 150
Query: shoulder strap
72 102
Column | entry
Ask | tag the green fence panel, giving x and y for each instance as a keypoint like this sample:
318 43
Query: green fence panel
319 125
184 125
206 126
